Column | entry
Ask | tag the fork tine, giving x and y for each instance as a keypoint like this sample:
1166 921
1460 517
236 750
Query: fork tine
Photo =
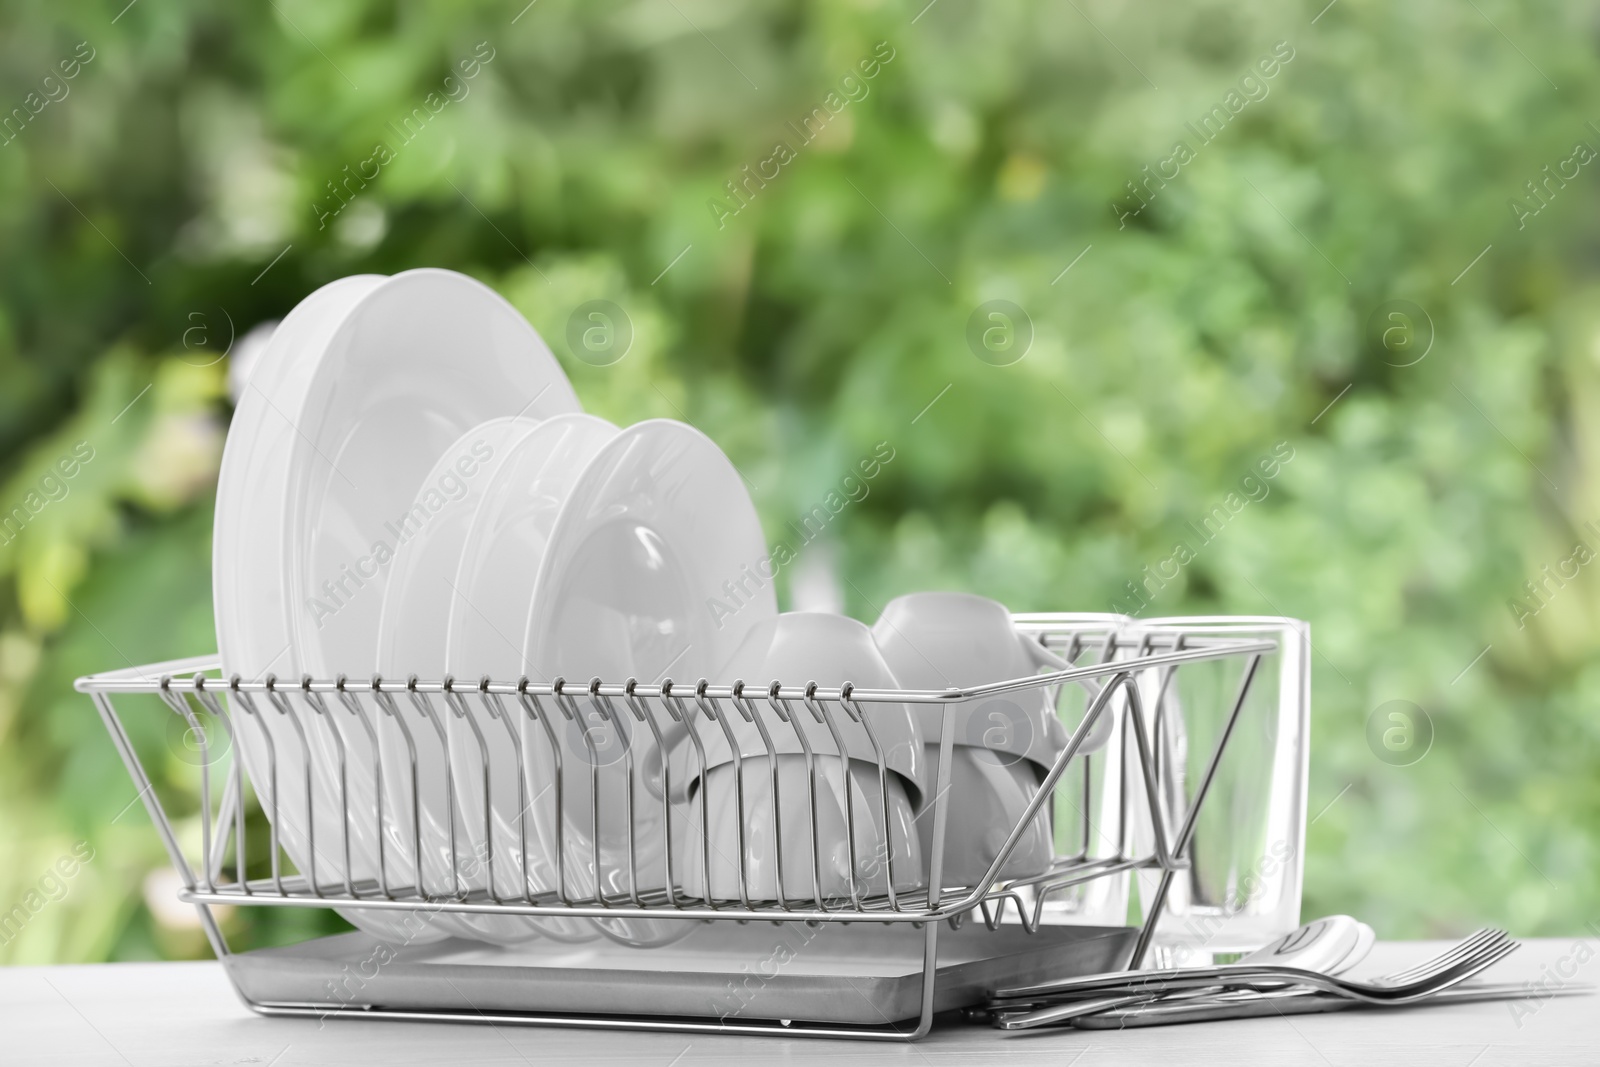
1477 953
1466 945
1470 964
1241 1005
1444 960
1482 962
1469 969
1489 952
1492 939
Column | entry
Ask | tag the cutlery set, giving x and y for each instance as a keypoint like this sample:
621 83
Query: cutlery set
1242 989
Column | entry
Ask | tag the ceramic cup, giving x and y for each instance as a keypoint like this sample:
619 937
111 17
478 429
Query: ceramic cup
812 865
1003 744
808 759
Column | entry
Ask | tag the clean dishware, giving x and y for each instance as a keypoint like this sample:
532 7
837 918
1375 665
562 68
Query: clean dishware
308 980
1366 938
1331 945
1244 887
947 640
249 536
510 532
819 646
1003 745
417 361
1276 989
490 588
794 835
360 410
305 802
425 762
656 525
792 848
1165 980
421 359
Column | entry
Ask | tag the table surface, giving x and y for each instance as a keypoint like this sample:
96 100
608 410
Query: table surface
175 1014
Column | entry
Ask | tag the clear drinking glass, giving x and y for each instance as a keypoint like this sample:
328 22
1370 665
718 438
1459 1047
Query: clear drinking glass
1242 886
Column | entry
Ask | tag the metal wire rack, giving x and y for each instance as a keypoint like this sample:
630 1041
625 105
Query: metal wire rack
1111 657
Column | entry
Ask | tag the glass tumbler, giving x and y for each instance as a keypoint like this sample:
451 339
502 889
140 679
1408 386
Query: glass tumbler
1242 886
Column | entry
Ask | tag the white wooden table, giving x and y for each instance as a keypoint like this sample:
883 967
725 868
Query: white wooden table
173 1014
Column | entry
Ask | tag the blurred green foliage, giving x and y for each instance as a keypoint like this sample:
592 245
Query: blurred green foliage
176 191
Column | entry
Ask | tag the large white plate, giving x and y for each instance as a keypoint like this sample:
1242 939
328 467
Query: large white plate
420 360
415 361
249 551
632 585
248 544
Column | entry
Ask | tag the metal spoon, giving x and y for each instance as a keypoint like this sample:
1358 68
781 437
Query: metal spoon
1323 945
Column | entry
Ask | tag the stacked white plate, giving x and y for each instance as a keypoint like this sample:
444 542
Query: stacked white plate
410 488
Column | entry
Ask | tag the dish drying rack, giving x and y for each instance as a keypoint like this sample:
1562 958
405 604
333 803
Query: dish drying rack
1120 655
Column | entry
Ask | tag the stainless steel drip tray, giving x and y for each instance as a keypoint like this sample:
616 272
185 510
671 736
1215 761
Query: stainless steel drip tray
852 973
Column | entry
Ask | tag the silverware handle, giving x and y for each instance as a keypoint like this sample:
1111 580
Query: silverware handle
1295 1003
1211 1011
1074 1009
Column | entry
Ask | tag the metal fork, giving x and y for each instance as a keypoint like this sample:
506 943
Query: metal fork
1292 1001
1156 980
1043 1005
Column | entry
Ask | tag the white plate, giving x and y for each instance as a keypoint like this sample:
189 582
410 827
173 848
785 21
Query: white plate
411 640
248 540
252 613
420 360
413 362
494 572
630 587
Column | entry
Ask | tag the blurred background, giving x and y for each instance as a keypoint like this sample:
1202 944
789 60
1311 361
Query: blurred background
965 230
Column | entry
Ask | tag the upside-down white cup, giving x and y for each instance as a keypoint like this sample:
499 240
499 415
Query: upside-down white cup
812 865
798 648
1003 745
